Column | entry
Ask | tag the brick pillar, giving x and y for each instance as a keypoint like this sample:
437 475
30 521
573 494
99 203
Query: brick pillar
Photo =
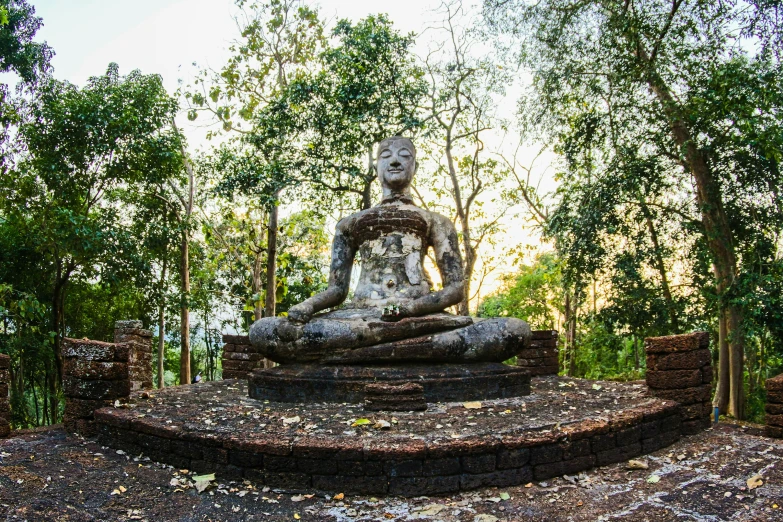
96 374
140 356
239 357
540 358
679 369
5 406
774 407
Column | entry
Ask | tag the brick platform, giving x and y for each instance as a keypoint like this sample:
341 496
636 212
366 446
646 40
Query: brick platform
5 406
679 369
96 374
540 358
214 427
239 357
774 407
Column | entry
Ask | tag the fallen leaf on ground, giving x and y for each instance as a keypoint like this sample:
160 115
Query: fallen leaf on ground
636 464
472 405
430 509
597 386
297 498
360 422
754 482
485 518
291 420
339 496
202 481
382 425
504 495
653 479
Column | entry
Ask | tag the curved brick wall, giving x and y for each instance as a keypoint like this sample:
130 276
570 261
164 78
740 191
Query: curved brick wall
401 466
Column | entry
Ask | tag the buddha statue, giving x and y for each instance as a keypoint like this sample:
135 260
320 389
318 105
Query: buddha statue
395 315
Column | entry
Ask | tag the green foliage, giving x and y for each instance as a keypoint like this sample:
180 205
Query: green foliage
533 293
322 126
643 102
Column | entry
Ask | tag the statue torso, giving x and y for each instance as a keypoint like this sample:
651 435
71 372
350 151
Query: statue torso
391 241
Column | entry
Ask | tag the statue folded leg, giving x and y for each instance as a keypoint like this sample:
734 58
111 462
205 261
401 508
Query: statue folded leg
490 340
360 337
334 333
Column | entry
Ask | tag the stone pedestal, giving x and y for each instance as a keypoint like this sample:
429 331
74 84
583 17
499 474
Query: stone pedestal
5 407
774 407
540 358
679 369
96 374
441 383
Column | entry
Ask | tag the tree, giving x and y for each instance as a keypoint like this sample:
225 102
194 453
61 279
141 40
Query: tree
692 84
367 88
279 37
81 147
461 109
21 55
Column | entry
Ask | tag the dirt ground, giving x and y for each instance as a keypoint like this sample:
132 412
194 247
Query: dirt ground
48 475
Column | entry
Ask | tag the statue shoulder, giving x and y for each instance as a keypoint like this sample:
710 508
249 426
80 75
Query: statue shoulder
440 224
346 224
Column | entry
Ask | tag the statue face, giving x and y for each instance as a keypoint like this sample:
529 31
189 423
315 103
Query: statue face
396 164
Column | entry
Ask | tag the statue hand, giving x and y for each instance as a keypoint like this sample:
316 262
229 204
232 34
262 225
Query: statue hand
394 313
300 313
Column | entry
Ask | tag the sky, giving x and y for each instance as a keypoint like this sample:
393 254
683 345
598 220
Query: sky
168 37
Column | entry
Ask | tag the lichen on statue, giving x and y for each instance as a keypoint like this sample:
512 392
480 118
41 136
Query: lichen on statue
394 316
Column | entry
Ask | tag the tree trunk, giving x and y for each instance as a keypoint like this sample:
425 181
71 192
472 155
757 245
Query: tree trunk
659 264
719 240
184 356
162 327
258 308
721 398
569 323
271 262
368 180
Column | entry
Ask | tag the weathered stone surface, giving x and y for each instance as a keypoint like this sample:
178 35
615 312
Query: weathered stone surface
677 343
686 396
84 427
236 339
83 408
775 396
544 335
774 420
773 384
84 389
773 408
394 397
449 382
674 379
89 369
696 411
132 324
95 350
770 431
679 360
5 428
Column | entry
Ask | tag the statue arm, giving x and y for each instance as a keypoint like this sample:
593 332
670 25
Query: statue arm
446 246
343 254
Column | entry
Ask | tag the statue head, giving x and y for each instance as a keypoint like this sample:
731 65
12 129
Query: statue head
396 164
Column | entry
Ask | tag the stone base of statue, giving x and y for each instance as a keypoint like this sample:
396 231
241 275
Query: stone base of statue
346 384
